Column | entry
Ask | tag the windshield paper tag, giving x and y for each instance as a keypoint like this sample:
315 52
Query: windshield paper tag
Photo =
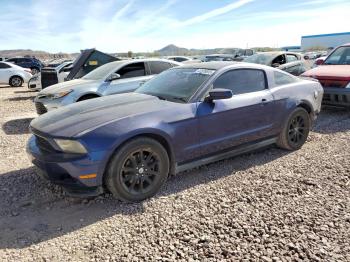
204 71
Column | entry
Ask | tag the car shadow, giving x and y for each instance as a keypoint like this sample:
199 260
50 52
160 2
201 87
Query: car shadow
38 211
17 126
25 92
21 98
332 120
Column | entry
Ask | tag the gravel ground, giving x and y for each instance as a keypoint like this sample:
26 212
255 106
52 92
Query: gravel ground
270 205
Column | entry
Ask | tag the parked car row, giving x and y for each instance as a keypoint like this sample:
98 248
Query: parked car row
186 116
112 78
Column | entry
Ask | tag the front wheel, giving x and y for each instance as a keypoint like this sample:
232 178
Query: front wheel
137 170
295 130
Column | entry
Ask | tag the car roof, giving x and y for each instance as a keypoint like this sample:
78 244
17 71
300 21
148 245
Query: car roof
125 62
222 55
277 53
216 65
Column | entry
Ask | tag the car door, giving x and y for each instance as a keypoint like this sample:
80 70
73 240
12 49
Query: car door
132 76
247 116
5 73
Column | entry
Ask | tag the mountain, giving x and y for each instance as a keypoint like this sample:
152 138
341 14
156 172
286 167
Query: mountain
172 50
175 50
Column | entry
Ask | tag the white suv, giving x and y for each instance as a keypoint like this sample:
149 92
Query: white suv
13 75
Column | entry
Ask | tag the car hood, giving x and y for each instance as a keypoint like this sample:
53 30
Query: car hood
68 85
78 118
330 72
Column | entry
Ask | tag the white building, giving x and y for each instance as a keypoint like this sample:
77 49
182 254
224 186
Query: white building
326 41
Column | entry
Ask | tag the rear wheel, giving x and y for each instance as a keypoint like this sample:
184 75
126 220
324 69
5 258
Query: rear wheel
295 130
16 81
137 170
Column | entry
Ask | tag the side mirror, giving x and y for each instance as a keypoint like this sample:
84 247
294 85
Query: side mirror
112 77
218 94
275 65
319 61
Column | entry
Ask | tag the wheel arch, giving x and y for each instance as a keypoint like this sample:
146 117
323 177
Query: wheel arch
153 134
307 106
92 95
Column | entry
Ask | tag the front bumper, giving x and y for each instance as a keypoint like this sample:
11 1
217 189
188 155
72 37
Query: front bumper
46 104
34 84
336 96
65 169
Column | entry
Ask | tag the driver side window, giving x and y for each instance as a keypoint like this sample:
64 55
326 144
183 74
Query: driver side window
279 60
241 81
132 70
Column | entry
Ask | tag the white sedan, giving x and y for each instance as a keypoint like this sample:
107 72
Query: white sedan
13 75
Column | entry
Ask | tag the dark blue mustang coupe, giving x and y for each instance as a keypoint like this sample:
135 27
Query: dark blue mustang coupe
187 116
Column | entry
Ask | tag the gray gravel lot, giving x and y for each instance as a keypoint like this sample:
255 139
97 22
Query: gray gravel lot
270 205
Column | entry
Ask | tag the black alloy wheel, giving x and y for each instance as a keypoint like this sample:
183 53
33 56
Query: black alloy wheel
140 170
137 170
295 130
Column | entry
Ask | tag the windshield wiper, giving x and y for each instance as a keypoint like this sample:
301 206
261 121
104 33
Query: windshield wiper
178 98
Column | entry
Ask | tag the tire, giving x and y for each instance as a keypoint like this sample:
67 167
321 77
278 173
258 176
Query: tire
87 97
132 180
295 130
35 70
16 81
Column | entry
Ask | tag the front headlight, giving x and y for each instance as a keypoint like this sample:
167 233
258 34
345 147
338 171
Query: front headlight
71 146
348 85
61 94
34 78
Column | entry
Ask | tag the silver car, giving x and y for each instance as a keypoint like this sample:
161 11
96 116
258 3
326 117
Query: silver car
112 78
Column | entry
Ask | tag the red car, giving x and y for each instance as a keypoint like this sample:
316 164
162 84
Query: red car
334 75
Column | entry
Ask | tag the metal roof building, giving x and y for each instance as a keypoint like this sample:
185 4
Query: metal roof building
326 40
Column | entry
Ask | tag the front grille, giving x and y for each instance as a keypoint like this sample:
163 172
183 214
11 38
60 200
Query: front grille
44 144
40 108
48 78
336 99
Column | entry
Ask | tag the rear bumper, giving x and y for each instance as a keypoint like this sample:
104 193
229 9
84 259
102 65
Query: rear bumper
65 170
336 97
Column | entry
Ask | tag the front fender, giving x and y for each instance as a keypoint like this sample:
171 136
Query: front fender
122 139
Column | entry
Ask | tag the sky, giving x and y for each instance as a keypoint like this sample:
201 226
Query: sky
148 25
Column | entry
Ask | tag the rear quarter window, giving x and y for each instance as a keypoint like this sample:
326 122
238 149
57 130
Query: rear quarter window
283 79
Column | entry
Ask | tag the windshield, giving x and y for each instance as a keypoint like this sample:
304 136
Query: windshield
101 72
218 58
341 56
262 59
177 84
